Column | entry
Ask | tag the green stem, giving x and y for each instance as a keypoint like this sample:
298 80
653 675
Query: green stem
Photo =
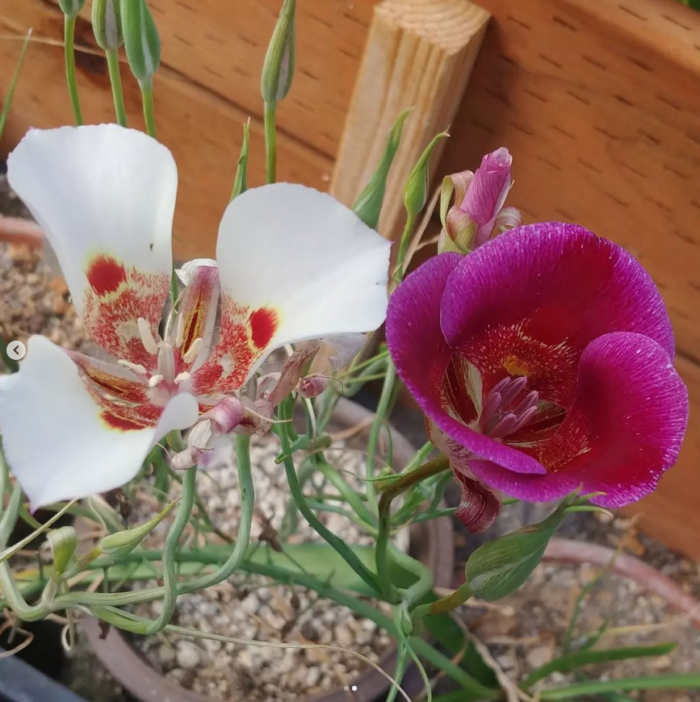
270 142
403 247
406 481
149 115
115 79
172 541
3 119
343 487
69 49
282 430
375 431
598 687
444 604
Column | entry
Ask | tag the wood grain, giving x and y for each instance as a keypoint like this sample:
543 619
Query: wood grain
419 54
203 130
220 46
598 101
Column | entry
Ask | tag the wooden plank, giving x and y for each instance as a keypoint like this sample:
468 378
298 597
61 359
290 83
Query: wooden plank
221 46
203 130
598 102
419 54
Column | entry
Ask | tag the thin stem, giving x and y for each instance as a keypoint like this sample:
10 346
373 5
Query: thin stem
375 431
148 108
115 79
444 604
406 481
344 488
69 49
270 142
403 248
172 541
282 430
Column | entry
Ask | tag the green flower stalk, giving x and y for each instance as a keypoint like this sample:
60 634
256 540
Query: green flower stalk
142 45
70 9
107 27
276 79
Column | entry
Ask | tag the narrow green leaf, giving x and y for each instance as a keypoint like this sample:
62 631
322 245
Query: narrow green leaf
669 681
572 661
416 190
240 183
6 111
63 542
368 205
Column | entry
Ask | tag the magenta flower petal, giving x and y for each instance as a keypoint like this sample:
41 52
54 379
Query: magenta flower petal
626 426
555 282
421 355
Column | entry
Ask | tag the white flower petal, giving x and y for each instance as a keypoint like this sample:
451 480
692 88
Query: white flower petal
105 197
294 264
303 254
54 435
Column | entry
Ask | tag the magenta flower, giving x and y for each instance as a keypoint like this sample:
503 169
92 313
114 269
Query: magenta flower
479 197
544 360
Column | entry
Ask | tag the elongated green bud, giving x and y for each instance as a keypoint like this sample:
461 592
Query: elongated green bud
278 69
240 183
70 8
368 205
123 542
107 24
417 186
63 543
140 39
500 567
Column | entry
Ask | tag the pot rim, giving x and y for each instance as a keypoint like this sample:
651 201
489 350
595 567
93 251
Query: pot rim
433 539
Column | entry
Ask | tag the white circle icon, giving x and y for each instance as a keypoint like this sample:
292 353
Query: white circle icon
16 350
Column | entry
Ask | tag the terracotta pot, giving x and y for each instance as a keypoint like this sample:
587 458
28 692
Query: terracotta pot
431 542
16 230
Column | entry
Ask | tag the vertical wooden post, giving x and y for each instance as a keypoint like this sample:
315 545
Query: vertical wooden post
419 54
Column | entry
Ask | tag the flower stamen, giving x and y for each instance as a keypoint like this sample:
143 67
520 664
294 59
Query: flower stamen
497 418
149 343
193 351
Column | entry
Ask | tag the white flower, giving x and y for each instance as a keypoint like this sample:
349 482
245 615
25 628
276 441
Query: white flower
292 264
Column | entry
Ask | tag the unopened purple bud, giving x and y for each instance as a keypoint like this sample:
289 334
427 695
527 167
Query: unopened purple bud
312 386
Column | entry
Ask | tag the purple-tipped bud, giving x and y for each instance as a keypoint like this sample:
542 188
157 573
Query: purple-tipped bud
226 415
312 386
477 213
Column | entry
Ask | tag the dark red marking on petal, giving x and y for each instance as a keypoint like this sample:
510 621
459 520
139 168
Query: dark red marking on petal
105 275
120 422
263 324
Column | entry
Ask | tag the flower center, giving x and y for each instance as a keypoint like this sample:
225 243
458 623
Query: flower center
165 381
502 413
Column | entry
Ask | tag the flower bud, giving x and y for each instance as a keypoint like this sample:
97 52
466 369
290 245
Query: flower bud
416 190
312 386
106 24
141 39
278 68
368 205
123 542
477 213
63 543
70 8
500 567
